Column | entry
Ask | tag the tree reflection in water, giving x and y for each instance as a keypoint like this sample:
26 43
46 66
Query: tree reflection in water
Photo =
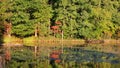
72 56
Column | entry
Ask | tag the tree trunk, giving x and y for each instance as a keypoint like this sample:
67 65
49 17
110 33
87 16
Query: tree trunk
36 30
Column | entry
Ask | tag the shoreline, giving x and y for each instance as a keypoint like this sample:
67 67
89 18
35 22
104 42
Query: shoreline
59 42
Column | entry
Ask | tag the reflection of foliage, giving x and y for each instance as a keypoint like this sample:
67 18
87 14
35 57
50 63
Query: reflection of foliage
71 57
21 58
25 57
80 55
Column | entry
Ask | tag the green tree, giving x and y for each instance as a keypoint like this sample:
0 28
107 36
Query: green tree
4 15
87 19
28 13
65 12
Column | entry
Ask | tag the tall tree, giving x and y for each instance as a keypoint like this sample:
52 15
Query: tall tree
65 11
28 13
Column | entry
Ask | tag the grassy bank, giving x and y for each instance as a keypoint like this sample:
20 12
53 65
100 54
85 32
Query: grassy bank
48 41
31 41
111 41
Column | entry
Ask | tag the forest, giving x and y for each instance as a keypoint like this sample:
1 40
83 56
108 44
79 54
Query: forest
60 33
76 19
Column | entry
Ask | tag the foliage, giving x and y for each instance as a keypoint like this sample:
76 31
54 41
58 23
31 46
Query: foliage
88 19
3 16
28 13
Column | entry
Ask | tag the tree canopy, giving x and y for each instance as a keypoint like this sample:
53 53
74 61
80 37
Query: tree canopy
82 19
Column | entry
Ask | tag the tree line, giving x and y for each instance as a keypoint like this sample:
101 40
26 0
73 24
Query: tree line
81 19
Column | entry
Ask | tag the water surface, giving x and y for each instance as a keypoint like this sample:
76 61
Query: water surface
73 56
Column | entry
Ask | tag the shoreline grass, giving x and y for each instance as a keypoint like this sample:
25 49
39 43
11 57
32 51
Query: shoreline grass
47 41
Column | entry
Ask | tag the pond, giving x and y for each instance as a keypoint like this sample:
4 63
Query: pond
72 56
